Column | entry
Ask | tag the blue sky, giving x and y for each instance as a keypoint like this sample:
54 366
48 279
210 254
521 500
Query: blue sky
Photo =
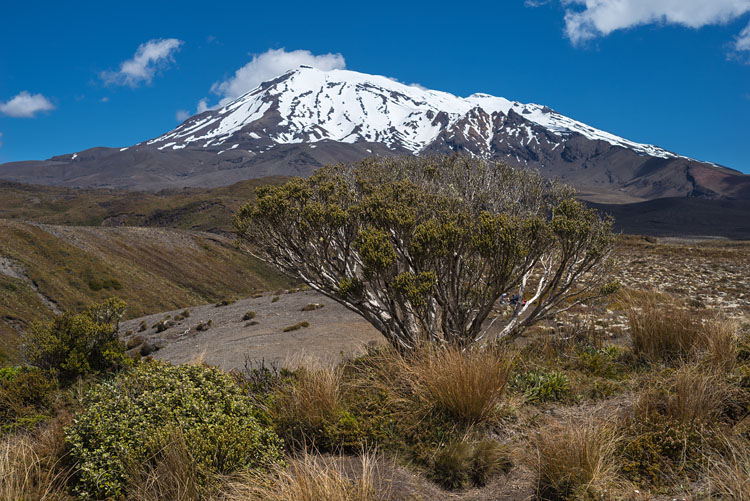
672 72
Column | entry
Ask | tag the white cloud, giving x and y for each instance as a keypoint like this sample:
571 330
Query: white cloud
602 17
182 115
268 65
203 105
26 105
1 136
105 99
742 42
150 57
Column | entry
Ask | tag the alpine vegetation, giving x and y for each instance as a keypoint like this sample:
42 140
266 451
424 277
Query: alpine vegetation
425 247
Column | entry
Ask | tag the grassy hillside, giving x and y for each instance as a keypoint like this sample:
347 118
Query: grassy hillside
194 209
43 267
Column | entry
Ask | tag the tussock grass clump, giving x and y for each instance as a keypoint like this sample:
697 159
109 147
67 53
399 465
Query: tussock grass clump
662 332
170 473
462 463
312 307
729 473
466 384
313 478
720 341
296 327
249 315
29 468
572 458
275 299
304 408
689 396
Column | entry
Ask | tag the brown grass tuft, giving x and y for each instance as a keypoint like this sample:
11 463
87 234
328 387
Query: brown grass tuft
171 473
729 474
572 458
662 331
313 400
312 478
689 396
467 384
29 468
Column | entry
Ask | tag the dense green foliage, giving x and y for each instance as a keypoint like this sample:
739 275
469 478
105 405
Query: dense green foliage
127 420
423 248
73 345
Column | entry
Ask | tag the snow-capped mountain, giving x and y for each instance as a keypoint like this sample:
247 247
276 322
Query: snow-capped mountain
349 107
307 118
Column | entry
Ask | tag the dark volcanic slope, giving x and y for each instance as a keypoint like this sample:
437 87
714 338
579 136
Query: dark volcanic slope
307 118
682 217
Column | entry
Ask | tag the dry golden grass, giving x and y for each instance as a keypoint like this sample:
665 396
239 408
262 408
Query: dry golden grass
467 384
572 458
661 330
720 343
28 471
314 399
170 474
729 473
689 396
311 478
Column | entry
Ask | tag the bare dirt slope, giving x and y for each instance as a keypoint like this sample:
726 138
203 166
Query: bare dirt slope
333 332
704 274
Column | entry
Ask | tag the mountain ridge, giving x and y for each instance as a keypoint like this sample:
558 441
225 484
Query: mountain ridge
306 118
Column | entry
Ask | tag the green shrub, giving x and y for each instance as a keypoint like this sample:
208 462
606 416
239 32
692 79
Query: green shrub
127 420
26 395
73 345
275 298
539 385
249 315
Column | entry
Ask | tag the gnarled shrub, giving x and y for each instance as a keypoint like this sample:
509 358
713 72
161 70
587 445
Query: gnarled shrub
423 247
129 420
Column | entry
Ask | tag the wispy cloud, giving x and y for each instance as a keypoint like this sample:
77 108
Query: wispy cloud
182 115
151 57
26 105
267 65
589 19
1 137
741 46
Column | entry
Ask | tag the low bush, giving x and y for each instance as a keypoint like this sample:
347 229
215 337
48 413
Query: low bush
26 398
463 463
296 327
73 345
312 307
572 459
249 315
674 423
274 299
127 421
540 385
134 342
